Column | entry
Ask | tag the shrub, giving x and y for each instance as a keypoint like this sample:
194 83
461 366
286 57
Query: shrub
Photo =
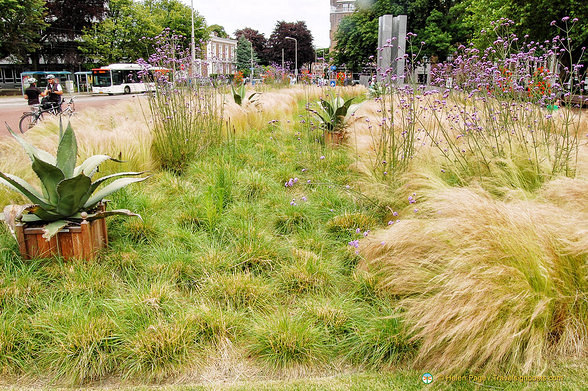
376 338
67 190
345 225
187 114
76 344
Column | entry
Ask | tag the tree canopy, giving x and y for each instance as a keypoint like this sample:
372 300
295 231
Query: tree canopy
66 21
21 23
122 36
258 41
218 30
444 24
277 41
246 57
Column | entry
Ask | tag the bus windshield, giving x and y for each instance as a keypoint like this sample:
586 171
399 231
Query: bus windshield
101 78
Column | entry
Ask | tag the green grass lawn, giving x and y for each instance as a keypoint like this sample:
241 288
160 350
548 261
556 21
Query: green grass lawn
246 262
249 246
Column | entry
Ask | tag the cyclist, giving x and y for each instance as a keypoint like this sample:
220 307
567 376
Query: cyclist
32 92
53 92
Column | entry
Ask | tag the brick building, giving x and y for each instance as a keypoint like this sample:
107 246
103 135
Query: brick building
220 56
339 9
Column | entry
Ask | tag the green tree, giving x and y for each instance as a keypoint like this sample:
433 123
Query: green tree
436 35
277 41
530 18
21 22
258 41
175 15
123 35
120 36
66 20
245 56
357 40
439 23
219 30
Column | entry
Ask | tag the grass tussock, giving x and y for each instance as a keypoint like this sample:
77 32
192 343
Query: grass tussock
488 285
159 351
282 340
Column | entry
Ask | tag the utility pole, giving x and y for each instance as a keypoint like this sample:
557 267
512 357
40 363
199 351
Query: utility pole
252 68
295 57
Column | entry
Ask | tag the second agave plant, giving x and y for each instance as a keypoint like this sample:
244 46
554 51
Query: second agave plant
333 114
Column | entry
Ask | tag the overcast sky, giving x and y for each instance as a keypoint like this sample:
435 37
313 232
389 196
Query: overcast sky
262 15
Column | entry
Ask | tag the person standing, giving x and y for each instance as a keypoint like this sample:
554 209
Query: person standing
32 92
53 92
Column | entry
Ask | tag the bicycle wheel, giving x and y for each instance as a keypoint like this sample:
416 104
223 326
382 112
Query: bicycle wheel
28 120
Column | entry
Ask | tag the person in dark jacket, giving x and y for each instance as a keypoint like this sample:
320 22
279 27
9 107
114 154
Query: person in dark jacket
32 92
53 92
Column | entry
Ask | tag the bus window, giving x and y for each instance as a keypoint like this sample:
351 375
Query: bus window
130 77
117 78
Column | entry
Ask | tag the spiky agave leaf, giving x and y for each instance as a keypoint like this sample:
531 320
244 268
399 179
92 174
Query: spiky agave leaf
109 189
67 151
103 214
73 193
31 150
27 190
51 229
50 176
98 182
90 165
341 111
35 213
237 95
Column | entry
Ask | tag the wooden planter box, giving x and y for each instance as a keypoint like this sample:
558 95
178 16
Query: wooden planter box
334 138
74 241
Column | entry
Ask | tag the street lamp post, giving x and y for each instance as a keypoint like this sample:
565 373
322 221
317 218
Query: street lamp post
252 68
295 56
192 43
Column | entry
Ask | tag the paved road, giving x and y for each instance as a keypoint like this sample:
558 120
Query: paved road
12 108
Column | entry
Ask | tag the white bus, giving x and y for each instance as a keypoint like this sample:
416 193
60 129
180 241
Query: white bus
121 79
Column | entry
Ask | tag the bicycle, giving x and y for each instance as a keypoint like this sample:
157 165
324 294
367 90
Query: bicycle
31 118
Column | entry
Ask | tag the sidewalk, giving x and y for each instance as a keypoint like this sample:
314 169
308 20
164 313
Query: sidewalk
18 99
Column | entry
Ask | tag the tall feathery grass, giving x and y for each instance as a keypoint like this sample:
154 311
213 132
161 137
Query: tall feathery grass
187 119
488 286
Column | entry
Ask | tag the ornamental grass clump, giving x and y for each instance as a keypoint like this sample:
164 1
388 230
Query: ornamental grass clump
186 111
67 194
487 286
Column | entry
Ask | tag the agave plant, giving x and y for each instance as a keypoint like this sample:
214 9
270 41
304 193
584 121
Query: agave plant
378 89
334 113
67 191
239 94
